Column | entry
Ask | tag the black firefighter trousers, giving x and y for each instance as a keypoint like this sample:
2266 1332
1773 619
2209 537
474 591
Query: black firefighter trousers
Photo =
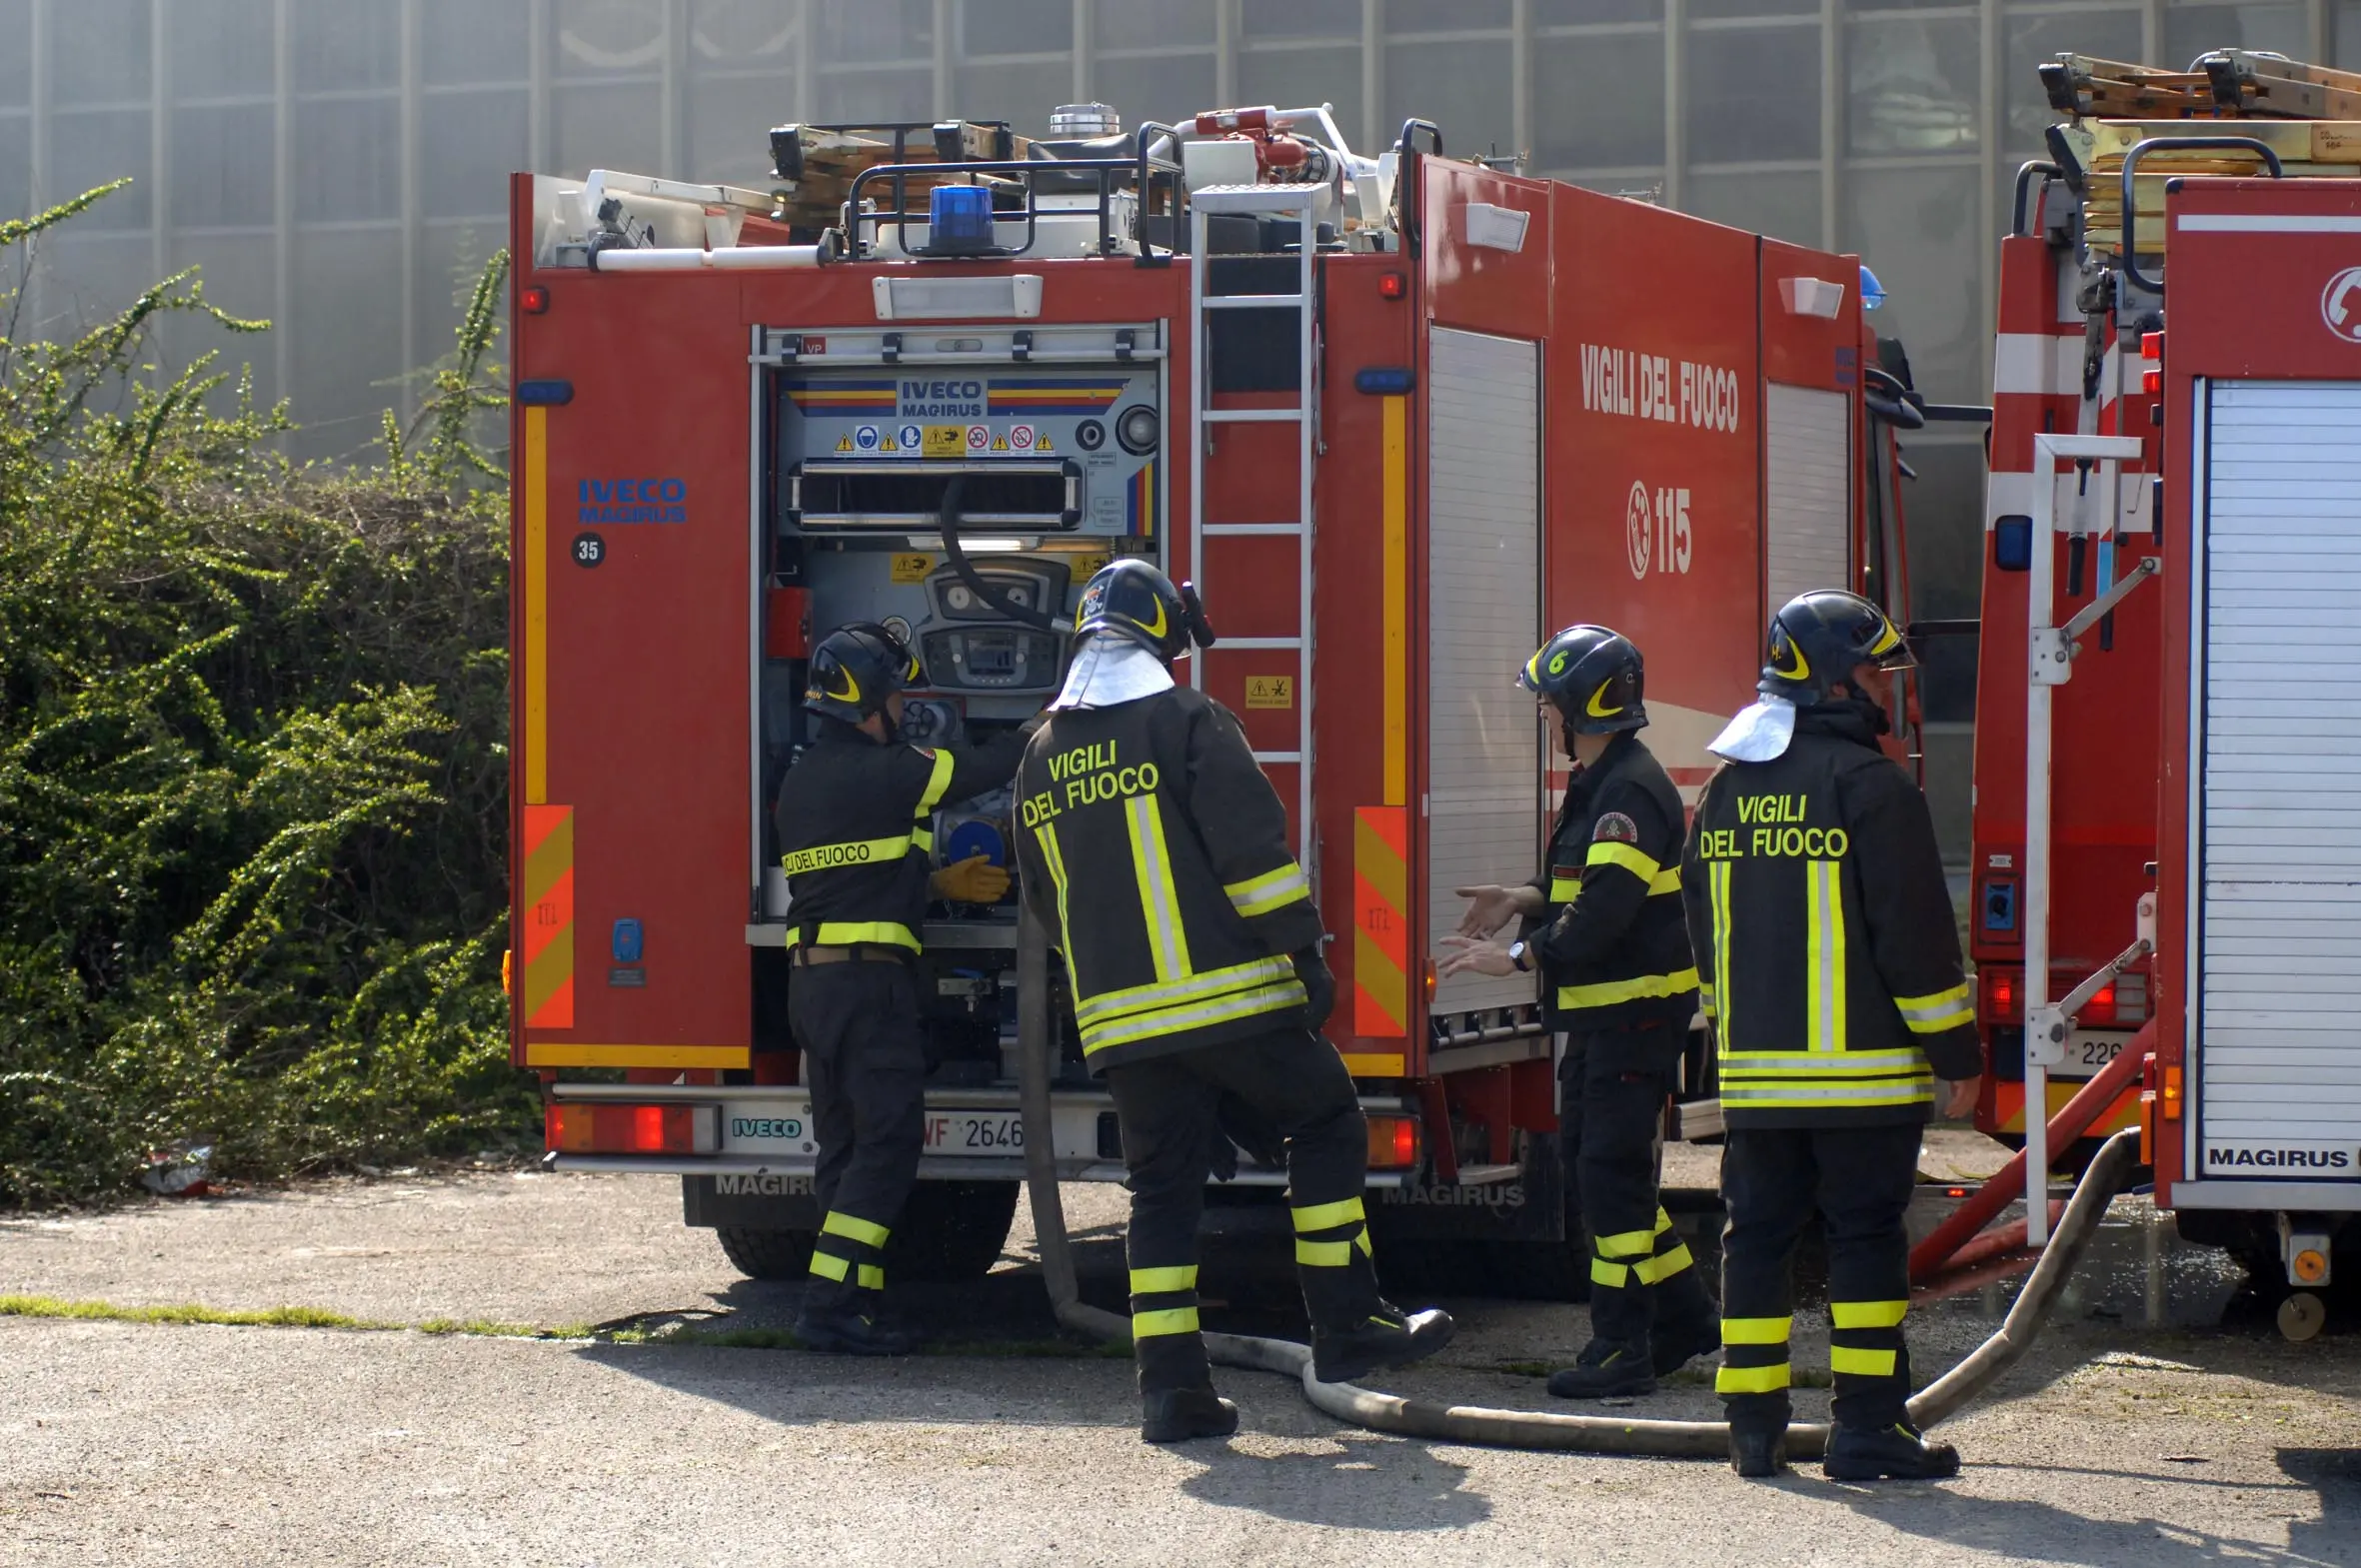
1858 1180
865 1062
1173 1140
1615 1084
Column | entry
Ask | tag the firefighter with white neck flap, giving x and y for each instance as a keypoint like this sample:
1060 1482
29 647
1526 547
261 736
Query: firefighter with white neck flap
854 820
1816 900
1157 854
1603 926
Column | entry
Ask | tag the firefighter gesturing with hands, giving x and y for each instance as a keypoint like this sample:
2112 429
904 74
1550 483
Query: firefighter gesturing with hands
854 819
1816 900
1156 853
1603 928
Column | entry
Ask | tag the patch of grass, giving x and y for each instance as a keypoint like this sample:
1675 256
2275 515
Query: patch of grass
271 1318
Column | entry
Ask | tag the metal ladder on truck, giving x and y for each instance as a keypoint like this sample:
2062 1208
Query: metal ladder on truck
1205 533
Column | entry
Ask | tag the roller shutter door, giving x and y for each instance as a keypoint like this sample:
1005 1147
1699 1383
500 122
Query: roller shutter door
1808 508
1483 529
2279 783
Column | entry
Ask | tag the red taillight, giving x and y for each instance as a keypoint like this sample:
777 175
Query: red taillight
533 299
578 1129
2152 346
2099 1011
1394 1142
2000 997
2151 381
1392 285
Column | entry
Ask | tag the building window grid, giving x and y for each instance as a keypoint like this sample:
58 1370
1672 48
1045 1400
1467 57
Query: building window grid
1996 139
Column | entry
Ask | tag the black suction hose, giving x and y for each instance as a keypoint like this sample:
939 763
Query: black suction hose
947 520
1508 1428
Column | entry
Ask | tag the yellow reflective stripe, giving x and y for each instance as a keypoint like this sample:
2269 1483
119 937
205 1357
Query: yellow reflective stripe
1270 890
1802 1065
1563 889
1751 1379
937 782
1613 1276
1627 1244
1798 1097
1655 1270
1824 987
1607 852
847 933
1173 1320
851 1226
1756 1330
1663 1221
829 1267
1845 1360
1159 899
1607 993
1935 1013
828 856
1325 1254
1666 881
1717 884
1108 1005
1868 1314
1178 1018
1326 1217
1155 1281
1053 857
871 1278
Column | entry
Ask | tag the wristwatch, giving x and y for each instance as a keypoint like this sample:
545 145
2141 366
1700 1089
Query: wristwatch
1516 951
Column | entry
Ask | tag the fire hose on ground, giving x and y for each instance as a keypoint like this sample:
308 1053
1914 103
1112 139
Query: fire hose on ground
1615 1434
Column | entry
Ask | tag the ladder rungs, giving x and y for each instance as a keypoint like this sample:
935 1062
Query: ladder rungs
1218 529
1278 757
1252 415
1253 302
1260 641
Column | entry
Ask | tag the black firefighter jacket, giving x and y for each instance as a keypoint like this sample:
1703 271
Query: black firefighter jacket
1156 853
854 831
1816 901
1615 950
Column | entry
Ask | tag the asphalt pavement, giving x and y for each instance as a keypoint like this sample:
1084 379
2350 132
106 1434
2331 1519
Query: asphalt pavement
2161 1422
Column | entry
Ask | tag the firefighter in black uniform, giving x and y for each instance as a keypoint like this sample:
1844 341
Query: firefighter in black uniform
1816 901
854 815
1605 929
1156 853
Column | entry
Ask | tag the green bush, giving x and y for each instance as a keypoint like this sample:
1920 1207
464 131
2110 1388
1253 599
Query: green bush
253 752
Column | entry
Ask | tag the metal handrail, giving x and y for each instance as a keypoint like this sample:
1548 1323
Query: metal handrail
2163 144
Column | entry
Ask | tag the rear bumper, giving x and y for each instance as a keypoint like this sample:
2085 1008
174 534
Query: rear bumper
766 1131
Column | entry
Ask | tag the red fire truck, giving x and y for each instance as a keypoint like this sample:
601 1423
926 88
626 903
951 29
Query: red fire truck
2196 769
1398 417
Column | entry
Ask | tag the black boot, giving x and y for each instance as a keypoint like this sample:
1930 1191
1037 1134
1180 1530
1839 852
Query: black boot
851 1328
1672 1346
1897 1451
1607 1369
1758 1452
1387 1337
1174 1415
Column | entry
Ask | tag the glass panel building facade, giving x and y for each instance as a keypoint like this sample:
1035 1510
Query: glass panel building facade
338 166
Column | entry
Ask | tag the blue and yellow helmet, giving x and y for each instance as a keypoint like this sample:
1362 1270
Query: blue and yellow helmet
1593 676
1817 639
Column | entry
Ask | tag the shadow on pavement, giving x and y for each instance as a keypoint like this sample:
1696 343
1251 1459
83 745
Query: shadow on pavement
1370 1483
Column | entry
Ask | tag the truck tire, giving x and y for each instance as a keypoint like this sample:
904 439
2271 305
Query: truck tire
952 1231
767 1254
